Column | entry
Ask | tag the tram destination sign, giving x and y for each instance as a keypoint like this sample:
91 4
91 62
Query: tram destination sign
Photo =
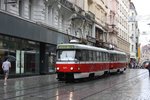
66 47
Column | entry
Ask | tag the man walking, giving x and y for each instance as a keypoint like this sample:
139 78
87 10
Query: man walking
5 66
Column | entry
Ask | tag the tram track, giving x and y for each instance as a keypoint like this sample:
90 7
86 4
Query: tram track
31 88
123 82
34 94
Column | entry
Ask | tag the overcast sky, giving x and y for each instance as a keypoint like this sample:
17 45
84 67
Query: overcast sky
143 10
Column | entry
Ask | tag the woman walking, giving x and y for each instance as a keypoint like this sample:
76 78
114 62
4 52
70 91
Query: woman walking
5 66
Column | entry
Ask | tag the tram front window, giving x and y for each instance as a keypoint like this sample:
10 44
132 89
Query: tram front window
66 55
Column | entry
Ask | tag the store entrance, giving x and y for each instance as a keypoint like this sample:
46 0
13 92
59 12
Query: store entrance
24 55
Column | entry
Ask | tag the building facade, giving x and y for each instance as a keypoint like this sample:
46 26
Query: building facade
123 26
133 34
31 29
112 18
100 9
145 53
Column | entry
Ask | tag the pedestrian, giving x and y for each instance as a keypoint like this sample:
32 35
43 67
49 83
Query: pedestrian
5 66
147 66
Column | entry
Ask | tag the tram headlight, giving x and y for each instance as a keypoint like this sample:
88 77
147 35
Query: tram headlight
57 68
78 68
71 68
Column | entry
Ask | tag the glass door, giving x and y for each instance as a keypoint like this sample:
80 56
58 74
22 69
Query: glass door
51 62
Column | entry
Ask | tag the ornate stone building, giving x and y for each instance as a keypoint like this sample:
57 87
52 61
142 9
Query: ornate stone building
112 18
99 8
133 32
31 29
123 26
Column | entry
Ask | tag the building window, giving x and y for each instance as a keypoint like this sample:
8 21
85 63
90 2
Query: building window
132 27
55 17
3 5
0 3
24 54
49 19
61 21
132 15
30 9
132 48
20 8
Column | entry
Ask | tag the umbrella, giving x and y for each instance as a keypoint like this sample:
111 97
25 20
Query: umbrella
10 57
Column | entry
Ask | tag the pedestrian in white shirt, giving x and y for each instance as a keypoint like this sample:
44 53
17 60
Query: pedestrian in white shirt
5 66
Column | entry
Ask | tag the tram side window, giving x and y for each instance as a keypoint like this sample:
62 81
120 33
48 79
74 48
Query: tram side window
90 55
111 57
123 58
94 56
103 56
114 57
118 57
84 55
97 56
107 57
78 55
92 52
100 56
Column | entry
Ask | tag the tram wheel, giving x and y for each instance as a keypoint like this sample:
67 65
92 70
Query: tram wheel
118 71
60 76
91 75
69 77
106 72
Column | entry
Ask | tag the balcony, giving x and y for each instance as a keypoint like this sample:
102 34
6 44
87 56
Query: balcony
90 15
113 29
68 4
91 39
100 43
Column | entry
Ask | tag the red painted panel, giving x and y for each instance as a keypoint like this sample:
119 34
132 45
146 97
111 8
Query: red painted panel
83 67
88 67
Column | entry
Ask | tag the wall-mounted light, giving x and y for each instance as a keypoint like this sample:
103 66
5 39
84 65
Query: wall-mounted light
59 6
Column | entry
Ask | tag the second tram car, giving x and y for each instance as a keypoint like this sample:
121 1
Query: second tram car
77 61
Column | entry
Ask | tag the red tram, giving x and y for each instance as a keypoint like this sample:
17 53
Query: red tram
77 61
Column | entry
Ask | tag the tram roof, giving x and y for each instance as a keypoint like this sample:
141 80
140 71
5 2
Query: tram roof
117 52
80 46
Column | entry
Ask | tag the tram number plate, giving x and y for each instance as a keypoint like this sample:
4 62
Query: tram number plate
64 67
